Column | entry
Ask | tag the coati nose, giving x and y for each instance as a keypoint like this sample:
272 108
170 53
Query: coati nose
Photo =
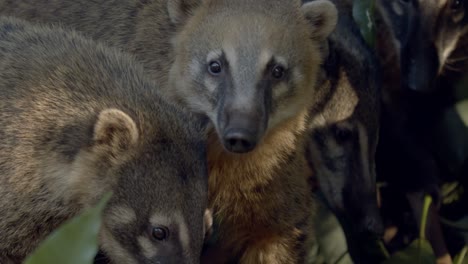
372 225
239 141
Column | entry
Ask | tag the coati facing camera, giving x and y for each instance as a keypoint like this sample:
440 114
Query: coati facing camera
80 119
251 67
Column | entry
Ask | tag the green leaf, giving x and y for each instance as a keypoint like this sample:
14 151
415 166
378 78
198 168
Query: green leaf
363 14
418 252
459 259
75 241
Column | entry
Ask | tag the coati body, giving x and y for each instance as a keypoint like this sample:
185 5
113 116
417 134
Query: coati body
415 41
79 119
251 67
344 127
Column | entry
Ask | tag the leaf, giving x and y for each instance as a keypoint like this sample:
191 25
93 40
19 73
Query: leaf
459 259
363 14
75 241
418 252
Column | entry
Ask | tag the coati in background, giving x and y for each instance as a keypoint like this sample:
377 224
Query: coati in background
79 119
415 41
343 130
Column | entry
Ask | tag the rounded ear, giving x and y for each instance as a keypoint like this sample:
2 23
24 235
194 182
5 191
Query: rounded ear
322 15
115 131
180 10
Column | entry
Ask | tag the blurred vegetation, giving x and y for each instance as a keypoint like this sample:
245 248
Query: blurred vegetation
363 14
74 242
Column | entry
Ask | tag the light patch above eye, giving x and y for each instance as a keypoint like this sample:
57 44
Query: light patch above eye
214 55
121 215
158 219
266 58
397 8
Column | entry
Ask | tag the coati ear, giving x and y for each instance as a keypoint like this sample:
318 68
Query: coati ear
180 10
322 15
115 131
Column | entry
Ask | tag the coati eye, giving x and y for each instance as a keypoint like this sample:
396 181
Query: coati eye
342 135
278 72
456 5
159 233
215 67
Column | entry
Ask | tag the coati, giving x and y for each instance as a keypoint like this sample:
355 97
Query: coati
424 33
79 119
415 41
343 131
251 67
173 42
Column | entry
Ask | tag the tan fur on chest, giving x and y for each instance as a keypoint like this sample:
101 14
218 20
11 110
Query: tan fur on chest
246 190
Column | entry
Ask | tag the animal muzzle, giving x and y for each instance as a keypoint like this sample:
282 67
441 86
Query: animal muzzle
420 65
241 132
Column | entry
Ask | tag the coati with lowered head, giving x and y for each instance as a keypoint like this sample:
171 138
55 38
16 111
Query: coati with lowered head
343 130
251 67
80 119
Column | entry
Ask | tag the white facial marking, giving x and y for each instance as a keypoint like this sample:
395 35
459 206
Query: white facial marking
148 249
279 89
194 67
121 215
397 8
445 49
264 58
231 57
113 249
210 84
213 55
184 235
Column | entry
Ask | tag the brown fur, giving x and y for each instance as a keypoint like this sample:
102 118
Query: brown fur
78 120
248 191
172 39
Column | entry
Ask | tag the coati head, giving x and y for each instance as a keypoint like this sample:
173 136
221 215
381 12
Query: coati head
425 34
158 177
344 127
247 65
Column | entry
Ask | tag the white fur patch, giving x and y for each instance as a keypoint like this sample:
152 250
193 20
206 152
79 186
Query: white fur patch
231 57
194 67
445 49
113 249
121 215
148 249
184 235
397 8
214 55
210 84
279 89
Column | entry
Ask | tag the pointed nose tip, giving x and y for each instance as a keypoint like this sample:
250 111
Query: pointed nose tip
373 225
239 141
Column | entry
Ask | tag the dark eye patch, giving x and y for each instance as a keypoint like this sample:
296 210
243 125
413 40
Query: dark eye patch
276 71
